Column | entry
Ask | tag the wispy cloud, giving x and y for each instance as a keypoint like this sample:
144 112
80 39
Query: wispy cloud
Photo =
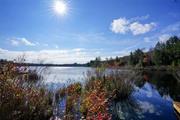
172 28
126 50
123 25
22 41
164 37
173 14
164 34
61 56
14 42
3 50
140 18
147 39
102 40
27 42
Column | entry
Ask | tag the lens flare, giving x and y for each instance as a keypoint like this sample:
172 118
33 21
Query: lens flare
60 7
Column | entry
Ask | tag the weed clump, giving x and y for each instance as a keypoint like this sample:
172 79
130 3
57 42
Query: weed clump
92 99
20 99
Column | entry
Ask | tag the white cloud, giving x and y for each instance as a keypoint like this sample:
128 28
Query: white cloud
172 28
27 42
61 56
79 49
22 41
141 18
37 43
52 56
14 42
164 34
138 28
168 31
147 39
3 50
122 26
163 38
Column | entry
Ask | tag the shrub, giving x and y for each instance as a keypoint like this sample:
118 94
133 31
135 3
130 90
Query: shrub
19 99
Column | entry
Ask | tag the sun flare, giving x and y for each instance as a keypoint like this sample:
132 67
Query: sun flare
60 7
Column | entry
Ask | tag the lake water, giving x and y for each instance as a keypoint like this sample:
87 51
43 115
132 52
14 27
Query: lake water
151 99
56 77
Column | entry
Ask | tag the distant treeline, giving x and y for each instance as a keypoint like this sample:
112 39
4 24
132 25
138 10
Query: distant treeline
56 65
2 61
163 54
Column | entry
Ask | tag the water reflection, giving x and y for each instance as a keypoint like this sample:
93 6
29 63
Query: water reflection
167 84
125 110
152 98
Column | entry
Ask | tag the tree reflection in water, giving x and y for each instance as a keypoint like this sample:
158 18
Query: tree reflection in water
151 99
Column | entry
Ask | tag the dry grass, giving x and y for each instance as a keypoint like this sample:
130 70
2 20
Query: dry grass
21 99
92 100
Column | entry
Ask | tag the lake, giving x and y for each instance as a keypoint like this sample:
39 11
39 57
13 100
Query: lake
56 77
151 99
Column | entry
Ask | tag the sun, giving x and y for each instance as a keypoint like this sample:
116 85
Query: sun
60 7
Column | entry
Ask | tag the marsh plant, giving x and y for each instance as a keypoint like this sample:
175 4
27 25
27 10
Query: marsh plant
20 97
92 99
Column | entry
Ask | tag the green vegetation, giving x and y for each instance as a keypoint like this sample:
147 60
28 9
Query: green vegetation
136 57
164 54
167 53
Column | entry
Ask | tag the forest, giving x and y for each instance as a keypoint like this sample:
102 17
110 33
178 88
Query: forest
163 54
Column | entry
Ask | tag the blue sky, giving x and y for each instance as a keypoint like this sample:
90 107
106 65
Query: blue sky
90 28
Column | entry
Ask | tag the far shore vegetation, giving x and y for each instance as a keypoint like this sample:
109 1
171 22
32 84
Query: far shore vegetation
163 55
